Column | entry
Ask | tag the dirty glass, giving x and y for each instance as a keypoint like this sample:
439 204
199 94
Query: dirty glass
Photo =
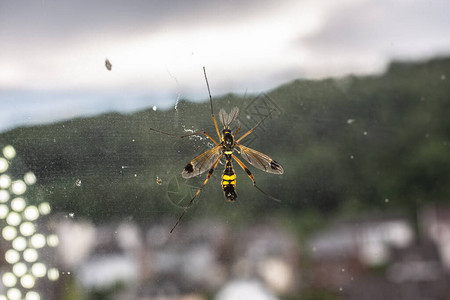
105 112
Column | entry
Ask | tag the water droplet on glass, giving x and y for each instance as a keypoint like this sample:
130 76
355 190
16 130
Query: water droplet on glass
29 178
44 208
32 295
9 152
18 204
31 213
27 281
27 228
53 274
5 181
3 165
30 255
12 256
52 240
9 279
14 294
18 187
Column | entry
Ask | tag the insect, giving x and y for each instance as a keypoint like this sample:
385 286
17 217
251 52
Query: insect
108 64
226 146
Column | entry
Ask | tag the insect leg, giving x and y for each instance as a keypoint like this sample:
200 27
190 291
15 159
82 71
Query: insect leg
250 175
251 130
237 130
198 192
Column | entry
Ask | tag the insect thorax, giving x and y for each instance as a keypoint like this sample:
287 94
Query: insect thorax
228 141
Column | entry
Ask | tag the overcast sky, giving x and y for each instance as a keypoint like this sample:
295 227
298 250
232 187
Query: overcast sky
52 52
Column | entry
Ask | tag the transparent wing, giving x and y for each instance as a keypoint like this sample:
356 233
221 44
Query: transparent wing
227 119
201 163
260 160
223 116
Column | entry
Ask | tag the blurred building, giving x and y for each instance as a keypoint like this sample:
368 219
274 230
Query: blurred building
150 263
435 225
380 259
268 252
377 258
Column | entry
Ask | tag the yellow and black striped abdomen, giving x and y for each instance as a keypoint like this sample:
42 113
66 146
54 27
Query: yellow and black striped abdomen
229 182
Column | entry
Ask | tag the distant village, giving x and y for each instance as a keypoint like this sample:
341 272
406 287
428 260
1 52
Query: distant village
375 258
54 256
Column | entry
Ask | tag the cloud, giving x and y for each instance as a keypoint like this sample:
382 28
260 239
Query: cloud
54 51
54 19
366 35
63 45
54 44
159 47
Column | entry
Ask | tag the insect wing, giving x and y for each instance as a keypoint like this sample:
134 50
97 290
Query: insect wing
201 163
260 160
227 119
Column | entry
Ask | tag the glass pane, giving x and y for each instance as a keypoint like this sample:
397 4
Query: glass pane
318 166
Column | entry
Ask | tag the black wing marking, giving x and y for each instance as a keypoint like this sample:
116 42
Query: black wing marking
201 163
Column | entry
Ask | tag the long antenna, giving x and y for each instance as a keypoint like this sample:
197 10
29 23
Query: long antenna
209 91
210 101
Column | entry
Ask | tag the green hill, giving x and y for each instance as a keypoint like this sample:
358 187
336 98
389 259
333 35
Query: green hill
356 142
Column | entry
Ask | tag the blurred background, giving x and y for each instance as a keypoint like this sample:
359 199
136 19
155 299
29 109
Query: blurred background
355 98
